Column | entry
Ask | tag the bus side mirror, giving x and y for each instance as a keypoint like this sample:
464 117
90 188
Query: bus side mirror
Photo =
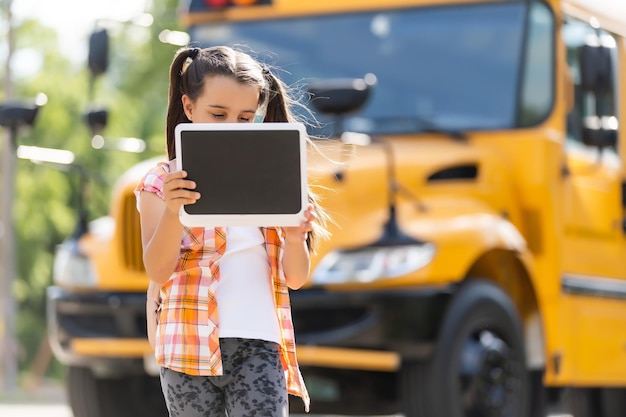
340 96
600 131
596 65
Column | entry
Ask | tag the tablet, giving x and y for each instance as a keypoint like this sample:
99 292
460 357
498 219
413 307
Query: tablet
248 174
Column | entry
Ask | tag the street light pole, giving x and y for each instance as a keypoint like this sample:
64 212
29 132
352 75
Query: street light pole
13 115
8 81
8 345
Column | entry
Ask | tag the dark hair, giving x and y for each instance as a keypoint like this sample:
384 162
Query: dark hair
188 72
191 67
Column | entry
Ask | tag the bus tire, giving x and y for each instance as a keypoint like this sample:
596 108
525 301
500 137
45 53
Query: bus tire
613 402
84 393
125 396
478 367
538 394
580 402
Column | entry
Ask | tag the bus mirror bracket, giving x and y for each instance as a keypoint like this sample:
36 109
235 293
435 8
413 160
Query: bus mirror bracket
596 67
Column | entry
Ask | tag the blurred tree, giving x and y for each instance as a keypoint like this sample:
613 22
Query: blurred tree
134 90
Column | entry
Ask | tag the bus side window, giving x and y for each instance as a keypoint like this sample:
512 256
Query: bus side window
537 97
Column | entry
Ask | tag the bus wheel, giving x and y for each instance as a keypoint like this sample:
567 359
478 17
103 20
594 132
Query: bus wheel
83 392
613 402
594 402
128 396
478 367
580 402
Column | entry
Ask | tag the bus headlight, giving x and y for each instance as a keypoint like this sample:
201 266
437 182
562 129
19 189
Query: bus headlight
72 268
372 264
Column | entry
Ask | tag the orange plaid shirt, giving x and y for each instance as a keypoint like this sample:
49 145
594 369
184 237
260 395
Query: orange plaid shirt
188 329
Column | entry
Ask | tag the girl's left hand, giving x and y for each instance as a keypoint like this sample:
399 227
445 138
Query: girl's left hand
300 233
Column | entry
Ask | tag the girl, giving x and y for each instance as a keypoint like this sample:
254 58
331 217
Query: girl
218 304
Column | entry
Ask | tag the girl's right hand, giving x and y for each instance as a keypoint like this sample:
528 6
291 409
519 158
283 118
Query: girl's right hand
177 191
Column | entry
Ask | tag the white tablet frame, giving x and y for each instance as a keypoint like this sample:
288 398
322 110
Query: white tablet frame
260 220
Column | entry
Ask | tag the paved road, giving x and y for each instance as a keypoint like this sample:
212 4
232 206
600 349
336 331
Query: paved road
61 410
38 410
50 401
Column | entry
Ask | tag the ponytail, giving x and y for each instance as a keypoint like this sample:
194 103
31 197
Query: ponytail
175 111
277 100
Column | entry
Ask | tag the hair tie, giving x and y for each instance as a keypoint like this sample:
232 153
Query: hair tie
194 53
265 70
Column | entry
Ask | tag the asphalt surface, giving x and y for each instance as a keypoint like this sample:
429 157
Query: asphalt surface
50 401
62 410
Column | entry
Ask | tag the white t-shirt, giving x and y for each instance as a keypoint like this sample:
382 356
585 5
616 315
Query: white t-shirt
245 295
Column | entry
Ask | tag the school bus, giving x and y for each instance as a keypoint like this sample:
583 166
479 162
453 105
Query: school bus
474 170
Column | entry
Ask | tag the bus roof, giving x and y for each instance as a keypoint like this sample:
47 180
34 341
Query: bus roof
610 13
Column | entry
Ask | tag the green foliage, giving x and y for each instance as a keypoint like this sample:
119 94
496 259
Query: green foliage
134 91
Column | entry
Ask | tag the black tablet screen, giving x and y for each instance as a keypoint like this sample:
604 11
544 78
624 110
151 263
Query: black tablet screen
243 172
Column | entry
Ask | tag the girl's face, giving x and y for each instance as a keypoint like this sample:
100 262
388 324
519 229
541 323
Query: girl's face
224 101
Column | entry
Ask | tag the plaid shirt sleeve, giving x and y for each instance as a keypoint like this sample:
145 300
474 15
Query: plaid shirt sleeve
152 181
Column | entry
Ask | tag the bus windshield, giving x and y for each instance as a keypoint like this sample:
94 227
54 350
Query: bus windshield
455 67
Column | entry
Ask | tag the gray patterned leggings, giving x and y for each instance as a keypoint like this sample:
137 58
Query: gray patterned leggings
253 384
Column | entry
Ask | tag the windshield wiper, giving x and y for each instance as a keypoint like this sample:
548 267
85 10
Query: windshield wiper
431 126
424 125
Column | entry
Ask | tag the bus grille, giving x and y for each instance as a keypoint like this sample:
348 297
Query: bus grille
130 236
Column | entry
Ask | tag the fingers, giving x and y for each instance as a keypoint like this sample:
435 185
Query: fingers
309 218
176 180
299 233
307 226
181 196
177 190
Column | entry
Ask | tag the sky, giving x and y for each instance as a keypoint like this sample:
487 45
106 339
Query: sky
613 7
73 20
76 18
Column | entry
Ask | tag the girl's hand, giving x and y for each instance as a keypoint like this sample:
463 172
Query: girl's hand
177 191
300 233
